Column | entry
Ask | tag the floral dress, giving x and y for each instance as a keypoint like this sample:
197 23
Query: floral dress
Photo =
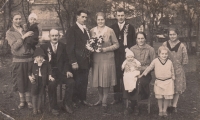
178 56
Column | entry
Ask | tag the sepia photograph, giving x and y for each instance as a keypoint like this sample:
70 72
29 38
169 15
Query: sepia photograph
99 59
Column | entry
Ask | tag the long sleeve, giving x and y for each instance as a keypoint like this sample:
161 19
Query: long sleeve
138 63
30 66
114 42
66 60
40 29
13 42
123 65
173 74
71 46
49 68
149 68
185 56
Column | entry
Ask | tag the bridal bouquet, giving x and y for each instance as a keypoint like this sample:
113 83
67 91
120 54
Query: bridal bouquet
94 44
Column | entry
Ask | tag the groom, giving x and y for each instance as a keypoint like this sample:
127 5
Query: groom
77 37
125 33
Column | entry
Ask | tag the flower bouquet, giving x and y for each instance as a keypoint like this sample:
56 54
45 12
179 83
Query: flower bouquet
94 44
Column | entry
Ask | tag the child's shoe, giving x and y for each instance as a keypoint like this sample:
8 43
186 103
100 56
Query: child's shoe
164 114
39 111
21 105
35 112
160 114
174 109
30 106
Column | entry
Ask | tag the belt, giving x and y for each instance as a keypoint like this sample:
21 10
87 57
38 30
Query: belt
163 79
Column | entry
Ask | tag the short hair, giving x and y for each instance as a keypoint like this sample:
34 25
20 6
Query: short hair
121 10
54 30
101 14
14 14
82 10
173 29
145 36
32 15
162 48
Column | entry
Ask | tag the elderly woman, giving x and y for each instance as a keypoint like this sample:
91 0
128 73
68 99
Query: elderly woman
145 54
15 36
104 71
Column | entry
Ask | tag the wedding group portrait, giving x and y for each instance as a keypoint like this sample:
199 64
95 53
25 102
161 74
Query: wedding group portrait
99 60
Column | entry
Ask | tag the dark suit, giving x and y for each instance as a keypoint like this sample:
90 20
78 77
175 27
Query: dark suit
60 65
45 72
120 54
77 52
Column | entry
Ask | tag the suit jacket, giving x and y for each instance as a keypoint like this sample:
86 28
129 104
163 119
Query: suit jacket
62 62
120 53
45 71
76 49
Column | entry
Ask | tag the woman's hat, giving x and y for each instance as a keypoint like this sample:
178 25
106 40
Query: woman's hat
129 52
32 15
38 52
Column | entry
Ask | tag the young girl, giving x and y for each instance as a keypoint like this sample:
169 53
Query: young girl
130 67
39 73
164 83
178 56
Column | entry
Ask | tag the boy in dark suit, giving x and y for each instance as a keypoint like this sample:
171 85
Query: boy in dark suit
55 52
39 74
77 37
125 33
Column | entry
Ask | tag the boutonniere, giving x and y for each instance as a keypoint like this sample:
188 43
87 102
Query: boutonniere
49 54
126 29
125 34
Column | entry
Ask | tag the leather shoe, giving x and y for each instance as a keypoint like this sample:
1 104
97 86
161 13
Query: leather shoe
136 111
115 102
55 112
97 103
68 109
86 103
128 111
105 109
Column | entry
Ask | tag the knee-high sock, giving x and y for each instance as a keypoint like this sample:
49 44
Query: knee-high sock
165 105
175 100
105 95
34 102
21 97
28 97
160 105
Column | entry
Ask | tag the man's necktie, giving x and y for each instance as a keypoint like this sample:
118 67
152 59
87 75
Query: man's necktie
54 48
120 26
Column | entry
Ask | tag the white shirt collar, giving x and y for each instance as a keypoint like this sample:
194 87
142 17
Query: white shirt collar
81 26
36 61
54 44
121 24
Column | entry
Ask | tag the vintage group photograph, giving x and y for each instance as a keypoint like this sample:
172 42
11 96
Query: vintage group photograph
99 59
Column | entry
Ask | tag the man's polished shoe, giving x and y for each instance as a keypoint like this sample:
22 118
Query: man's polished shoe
68 109
55 112
115 102
136 111
128 111
86 103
